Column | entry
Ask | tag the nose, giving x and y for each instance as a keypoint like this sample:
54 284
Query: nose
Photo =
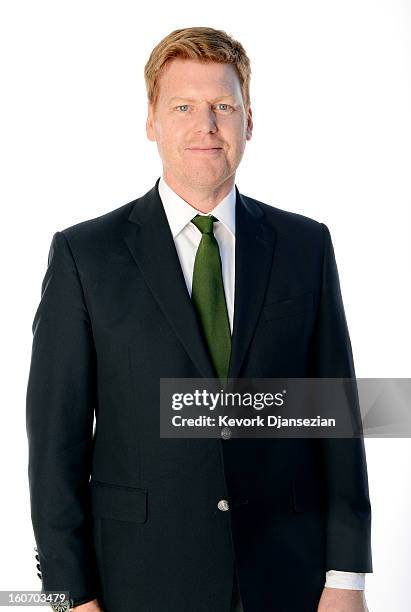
205 120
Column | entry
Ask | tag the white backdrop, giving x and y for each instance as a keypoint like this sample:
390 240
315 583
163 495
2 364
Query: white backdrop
331 100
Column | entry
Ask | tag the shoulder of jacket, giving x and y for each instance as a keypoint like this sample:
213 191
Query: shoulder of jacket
100 223
286 221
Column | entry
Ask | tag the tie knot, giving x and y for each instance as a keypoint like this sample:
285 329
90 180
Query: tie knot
204 223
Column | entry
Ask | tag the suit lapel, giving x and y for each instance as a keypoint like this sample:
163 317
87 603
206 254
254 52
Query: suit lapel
254 247
151 244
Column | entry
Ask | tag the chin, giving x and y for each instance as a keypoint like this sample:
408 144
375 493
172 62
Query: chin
206 181
206 176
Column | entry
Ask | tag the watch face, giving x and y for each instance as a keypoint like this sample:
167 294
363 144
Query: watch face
63 606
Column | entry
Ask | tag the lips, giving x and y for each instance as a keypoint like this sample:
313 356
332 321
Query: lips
205 152
204 148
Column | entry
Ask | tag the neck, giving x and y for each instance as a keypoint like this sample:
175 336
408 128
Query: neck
202 199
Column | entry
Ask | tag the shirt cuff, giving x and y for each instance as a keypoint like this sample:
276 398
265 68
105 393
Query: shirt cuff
345 580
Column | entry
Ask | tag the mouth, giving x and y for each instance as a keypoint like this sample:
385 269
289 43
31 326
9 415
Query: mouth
204 149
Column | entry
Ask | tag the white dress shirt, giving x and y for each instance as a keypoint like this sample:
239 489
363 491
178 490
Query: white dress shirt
187 238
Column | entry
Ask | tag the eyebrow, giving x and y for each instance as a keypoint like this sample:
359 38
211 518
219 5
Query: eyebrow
193 100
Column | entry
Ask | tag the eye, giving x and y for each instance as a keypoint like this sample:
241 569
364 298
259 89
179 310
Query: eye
227 106
182 106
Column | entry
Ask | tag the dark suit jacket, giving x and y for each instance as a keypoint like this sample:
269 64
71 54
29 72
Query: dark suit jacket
144 533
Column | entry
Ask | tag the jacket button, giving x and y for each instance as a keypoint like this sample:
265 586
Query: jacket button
223 505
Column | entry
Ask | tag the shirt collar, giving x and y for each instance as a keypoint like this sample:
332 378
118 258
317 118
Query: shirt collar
179 212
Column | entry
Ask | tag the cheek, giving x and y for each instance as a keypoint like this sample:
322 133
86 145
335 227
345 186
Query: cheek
166 131
234 132
175 137
168 144
236 146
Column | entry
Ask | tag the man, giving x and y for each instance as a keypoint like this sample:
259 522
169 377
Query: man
186 525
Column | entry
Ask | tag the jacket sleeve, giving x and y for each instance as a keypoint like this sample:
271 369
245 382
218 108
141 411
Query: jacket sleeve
60 402
348 520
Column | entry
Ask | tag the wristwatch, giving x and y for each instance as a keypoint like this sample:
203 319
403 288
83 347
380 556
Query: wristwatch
62 606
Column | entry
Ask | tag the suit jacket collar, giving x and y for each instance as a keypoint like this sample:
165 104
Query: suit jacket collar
149 238
179 212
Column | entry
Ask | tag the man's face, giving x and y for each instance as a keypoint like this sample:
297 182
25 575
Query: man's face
200 123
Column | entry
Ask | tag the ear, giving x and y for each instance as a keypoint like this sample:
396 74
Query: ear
249 130
150 122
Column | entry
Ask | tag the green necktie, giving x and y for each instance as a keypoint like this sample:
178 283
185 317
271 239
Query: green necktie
208 296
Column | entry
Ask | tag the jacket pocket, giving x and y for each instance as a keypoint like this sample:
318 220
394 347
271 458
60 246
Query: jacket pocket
118 502
287 307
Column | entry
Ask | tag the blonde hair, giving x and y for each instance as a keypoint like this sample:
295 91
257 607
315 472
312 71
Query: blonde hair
201 44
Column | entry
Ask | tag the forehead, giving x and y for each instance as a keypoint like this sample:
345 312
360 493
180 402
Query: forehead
194 79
